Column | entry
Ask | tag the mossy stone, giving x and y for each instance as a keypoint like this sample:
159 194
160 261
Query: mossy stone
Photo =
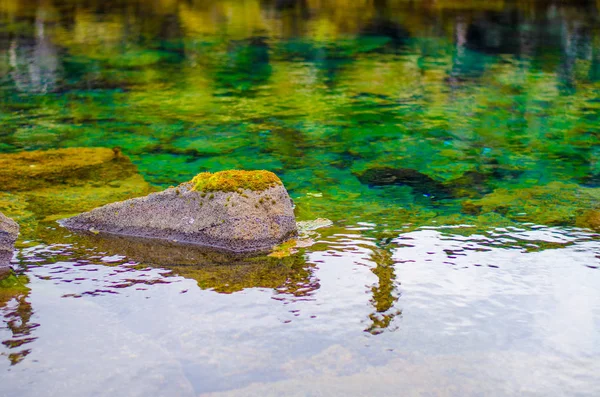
245 211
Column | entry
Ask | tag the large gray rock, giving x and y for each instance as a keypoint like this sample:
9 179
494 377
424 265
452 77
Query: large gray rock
9 231
241 217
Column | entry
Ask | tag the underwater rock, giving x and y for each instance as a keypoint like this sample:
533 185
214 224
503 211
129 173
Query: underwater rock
239 211
52 184
470 184
25 171
420 183
9 231
554 204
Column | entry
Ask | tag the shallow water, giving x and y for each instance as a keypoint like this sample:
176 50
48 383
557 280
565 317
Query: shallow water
452 144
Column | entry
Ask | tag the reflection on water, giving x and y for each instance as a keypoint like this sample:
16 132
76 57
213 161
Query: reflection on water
16 314
467 308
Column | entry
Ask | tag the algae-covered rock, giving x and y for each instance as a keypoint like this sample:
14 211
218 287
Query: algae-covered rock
556 203
238 211
9 231
25 171
52 184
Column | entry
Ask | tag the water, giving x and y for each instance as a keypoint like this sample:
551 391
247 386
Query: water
453 145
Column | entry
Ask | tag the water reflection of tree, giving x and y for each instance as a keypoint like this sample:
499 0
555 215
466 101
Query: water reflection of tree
16 312
385 292
34 61
246 66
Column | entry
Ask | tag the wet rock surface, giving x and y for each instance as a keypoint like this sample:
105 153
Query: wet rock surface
9 231
236 218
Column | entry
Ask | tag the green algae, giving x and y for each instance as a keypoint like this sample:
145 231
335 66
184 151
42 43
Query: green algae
288 274
235 181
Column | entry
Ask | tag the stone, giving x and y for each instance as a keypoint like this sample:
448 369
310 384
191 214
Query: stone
45 185
26 171
419 182
238 211
9 231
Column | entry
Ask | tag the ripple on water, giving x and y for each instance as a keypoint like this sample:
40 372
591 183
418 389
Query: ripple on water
464 307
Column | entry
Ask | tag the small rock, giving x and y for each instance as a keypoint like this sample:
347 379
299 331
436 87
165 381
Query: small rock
9 231
239 211
307 226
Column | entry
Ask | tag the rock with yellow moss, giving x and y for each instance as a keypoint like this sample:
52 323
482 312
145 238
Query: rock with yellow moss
240 211
9 231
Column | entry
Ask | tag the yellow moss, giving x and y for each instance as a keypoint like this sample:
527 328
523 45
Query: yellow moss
590 219
234 180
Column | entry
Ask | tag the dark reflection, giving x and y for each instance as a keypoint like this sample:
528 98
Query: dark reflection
291 275
494 33
246 66
381 25
292 13
16 312
289 4
385 292
217 270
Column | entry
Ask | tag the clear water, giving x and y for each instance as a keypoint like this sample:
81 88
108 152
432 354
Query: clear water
452 144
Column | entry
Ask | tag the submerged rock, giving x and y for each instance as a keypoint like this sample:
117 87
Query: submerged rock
240 211
25 171
554 204
51 184
419 182
9 231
